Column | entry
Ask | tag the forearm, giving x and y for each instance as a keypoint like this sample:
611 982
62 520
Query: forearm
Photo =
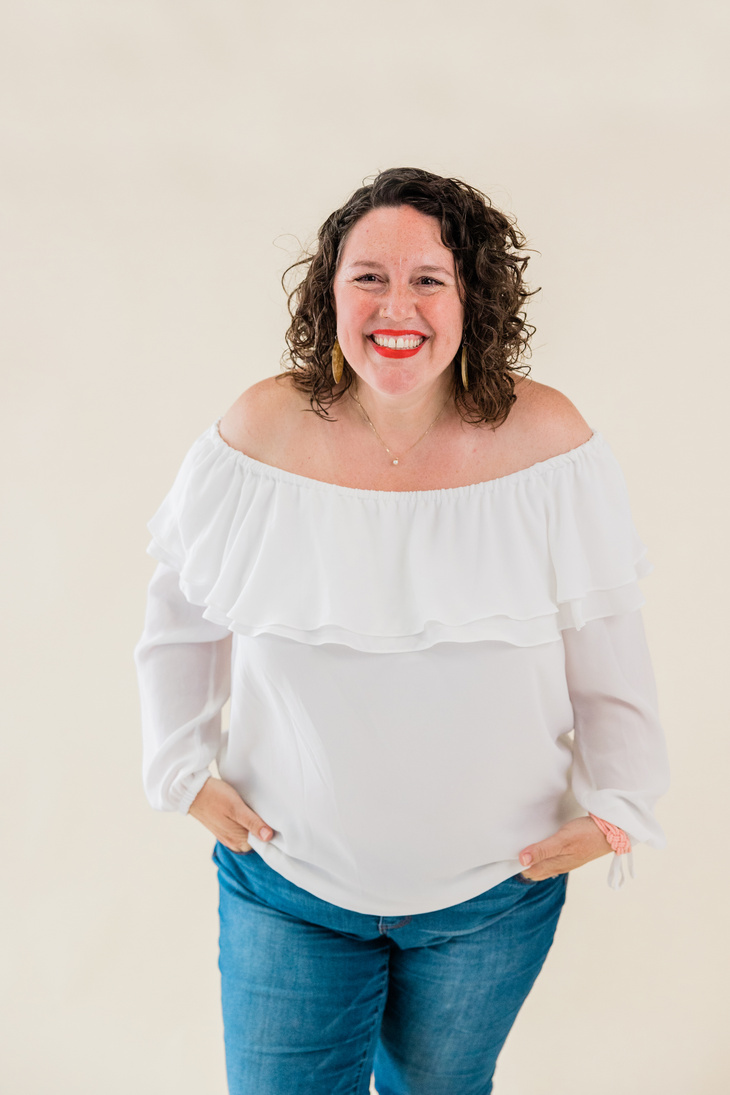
183 668
621 766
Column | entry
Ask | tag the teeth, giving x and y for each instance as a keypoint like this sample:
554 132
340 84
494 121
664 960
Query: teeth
404 342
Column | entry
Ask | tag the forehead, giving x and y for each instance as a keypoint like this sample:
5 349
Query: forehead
397 234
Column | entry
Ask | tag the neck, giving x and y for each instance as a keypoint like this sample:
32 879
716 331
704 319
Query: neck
401 415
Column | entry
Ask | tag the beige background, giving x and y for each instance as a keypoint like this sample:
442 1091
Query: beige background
161 162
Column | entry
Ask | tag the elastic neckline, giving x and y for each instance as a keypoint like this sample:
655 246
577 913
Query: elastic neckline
270 471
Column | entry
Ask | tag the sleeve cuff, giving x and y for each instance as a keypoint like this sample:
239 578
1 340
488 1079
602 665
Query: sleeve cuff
193 787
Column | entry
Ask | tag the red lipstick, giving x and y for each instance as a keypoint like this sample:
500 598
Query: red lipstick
386 351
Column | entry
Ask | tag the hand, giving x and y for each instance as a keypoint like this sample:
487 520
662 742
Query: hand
221 809
575 843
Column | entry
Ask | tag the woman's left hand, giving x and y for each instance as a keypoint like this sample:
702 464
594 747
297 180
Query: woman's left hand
575 843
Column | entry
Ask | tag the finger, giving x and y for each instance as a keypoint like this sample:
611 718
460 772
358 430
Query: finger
555 865
249 820
236 845
234 837
222 810
534 854
563 852
545 870
550 848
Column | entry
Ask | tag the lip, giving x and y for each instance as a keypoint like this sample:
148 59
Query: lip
385 351
390 333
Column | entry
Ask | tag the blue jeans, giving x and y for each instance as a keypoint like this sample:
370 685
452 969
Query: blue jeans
315 996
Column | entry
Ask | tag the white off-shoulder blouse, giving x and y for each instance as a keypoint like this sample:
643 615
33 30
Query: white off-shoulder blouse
421 682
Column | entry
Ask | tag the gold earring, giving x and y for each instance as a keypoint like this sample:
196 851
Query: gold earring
464 377
338 362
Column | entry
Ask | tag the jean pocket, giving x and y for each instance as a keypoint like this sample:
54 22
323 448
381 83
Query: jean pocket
519 877
220 851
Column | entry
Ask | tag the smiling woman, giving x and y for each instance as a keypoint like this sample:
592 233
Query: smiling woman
456 246
425 610
389 308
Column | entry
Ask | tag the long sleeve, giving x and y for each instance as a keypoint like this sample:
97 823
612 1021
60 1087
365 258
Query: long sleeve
184 671
620 761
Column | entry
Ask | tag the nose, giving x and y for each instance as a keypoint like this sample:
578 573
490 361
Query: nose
398 304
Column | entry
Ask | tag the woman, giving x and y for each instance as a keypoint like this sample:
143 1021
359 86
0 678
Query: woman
412 603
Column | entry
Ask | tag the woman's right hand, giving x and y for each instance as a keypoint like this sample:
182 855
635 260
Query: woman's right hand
221 809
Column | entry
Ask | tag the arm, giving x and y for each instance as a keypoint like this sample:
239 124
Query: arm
183 666
620 763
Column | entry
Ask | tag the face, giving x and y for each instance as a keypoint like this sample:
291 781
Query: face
399 314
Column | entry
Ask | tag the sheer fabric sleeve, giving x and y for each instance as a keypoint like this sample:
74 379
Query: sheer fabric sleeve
183 666
620 761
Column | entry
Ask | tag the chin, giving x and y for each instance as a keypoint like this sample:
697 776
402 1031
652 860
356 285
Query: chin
392 379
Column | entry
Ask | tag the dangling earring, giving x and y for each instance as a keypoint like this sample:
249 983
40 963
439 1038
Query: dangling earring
464 376
338 362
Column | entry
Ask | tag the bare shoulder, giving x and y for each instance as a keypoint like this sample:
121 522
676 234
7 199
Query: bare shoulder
545 420
263 417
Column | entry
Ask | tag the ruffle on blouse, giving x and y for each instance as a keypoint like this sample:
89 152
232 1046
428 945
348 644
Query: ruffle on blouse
515 559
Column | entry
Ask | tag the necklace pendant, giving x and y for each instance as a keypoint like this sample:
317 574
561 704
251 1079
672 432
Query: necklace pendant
395 461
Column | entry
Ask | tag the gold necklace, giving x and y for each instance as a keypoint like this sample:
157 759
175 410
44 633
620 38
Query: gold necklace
395 458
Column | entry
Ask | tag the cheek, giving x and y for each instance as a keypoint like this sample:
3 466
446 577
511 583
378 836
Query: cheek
447 317
352 311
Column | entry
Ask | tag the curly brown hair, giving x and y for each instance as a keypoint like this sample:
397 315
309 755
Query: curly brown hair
486 246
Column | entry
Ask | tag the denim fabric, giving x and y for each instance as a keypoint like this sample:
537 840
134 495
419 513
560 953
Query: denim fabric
316 997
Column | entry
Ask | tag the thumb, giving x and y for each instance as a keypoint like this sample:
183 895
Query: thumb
536 853
250 820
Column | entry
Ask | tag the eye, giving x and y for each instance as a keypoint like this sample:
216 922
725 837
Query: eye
429 280
365 277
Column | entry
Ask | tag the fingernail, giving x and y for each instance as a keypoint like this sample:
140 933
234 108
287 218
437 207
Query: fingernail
265 833
525 859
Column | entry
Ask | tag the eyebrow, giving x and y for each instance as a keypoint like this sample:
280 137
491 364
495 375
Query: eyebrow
425 268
